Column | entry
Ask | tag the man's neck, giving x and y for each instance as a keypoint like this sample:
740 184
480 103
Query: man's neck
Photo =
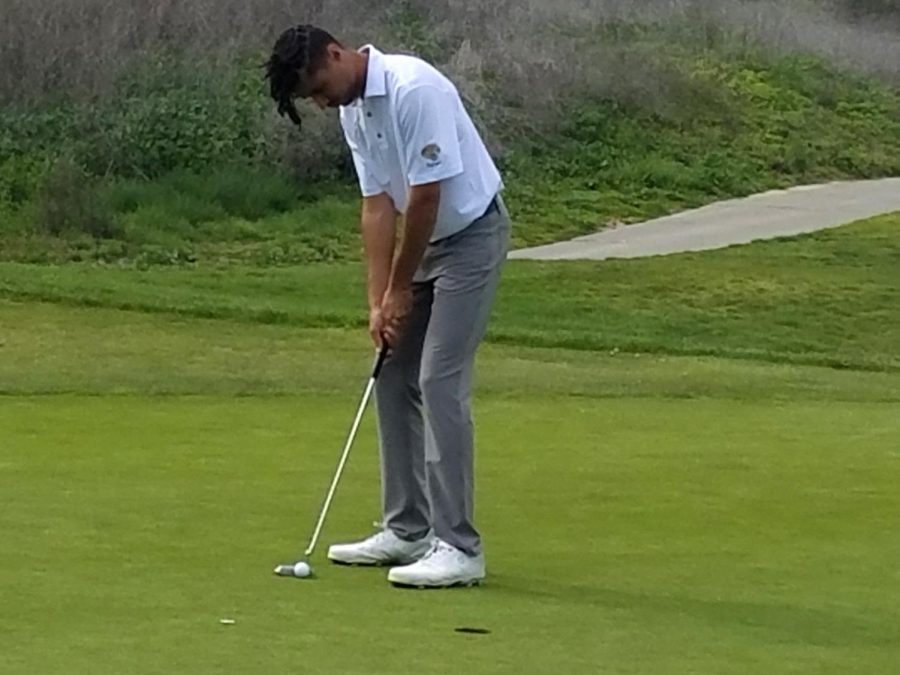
363 70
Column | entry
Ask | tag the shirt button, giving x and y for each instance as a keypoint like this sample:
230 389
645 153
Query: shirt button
368 114
379 135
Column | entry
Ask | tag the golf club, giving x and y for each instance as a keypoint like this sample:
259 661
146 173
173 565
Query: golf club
302 568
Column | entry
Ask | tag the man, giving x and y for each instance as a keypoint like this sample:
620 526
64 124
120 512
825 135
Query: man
416 153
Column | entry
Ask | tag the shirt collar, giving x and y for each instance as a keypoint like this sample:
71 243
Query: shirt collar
375 78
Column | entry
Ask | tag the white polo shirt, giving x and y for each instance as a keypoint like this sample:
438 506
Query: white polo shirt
411 128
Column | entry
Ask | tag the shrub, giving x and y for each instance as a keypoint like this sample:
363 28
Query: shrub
68 203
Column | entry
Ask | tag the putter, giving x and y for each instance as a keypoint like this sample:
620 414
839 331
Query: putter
302 568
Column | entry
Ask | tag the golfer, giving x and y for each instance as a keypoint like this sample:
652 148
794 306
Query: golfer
417 155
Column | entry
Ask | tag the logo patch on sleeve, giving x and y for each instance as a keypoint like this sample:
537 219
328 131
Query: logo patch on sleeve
432 152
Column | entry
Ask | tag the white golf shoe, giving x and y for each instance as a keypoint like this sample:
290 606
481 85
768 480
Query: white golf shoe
382 548
444 565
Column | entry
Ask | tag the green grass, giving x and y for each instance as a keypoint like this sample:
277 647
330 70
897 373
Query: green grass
240 215
828 298
641 514
51 349
653 512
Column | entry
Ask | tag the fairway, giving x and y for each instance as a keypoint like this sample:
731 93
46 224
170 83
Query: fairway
641 514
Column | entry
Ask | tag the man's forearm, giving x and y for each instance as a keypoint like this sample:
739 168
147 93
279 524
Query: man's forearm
418 227
379 233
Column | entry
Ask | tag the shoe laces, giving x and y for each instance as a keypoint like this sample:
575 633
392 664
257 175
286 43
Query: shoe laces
440 549
382 537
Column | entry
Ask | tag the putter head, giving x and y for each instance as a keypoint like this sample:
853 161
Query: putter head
300 569
284 570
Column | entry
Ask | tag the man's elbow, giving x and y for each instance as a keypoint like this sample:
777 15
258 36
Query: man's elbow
378 207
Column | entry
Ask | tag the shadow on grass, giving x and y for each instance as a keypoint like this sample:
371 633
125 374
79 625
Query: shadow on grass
784 623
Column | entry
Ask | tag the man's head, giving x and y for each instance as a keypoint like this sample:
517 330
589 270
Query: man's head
307 62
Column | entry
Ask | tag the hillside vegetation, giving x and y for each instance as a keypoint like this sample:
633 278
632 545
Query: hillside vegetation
143 134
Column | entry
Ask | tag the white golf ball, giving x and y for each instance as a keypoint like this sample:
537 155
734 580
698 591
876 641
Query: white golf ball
301 569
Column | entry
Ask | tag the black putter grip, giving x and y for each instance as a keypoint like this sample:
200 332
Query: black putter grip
379 362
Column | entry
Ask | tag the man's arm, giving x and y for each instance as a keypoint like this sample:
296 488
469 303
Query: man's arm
421 214
379 231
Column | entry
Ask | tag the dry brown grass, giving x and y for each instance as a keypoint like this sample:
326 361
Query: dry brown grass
78 46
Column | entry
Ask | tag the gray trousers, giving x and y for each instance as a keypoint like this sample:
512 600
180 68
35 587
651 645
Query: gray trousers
423 394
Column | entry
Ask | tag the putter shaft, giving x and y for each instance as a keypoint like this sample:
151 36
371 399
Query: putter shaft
379 362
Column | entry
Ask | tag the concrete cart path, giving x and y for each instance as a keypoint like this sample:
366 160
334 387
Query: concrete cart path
778 213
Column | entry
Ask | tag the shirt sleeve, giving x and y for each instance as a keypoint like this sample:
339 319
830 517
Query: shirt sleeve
427 126
368 186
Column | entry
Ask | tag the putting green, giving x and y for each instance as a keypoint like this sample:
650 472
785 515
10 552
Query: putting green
622 535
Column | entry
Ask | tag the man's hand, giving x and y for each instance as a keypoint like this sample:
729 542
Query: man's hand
376 327
395 310
397 302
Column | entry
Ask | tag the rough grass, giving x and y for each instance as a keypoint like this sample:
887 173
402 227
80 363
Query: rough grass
827 298
58 349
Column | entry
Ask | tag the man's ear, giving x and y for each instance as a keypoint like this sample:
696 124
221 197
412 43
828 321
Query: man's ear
335 53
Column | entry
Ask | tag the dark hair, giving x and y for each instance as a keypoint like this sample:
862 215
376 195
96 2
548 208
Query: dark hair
298 49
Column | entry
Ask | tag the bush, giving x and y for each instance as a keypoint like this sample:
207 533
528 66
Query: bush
20 176
873 9
68 203
167 113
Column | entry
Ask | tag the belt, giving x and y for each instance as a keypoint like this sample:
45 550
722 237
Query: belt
493 206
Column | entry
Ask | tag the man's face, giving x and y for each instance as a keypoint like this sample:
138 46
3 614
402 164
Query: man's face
332 83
